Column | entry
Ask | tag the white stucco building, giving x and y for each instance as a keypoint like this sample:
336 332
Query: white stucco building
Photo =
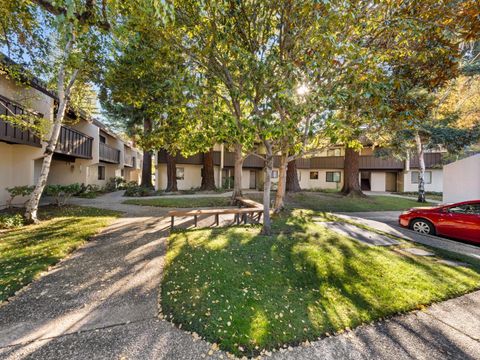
87 151
323 171
461 180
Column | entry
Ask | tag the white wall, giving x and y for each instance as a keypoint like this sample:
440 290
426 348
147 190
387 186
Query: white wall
462 180
192 176
320 183
16 168
436 185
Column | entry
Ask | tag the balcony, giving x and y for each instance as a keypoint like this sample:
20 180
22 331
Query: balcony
130 161
12 134
109 154
74 143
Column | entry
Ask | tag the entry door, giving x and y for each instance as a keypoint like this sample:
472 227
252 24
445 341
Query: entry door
391 182
253 179
365 180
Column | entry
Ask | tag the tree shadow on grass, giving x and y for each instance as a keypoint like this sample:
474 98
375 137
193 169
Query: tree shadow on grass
247 292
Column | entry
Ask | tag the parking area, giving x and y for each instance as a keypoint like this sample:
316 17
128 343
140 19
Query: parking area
387 221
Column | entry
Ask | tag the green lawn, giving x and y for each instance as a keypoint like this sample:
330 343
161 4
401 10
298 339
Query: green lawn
429 195
246 292
182 202
338 203
27 251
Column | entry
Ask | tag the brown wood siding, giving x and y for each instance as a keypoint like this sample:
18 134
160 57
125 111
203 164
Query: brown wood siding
74 143
109 154
432 160
196 159
12 134
327 162
376 163
367 162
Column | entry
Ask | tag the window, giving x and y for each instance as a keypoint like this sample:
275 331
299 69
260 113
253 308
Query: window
471 209
103 139
180 173
333 176
313 175
334 152
101 173
274 174
122 172
416 177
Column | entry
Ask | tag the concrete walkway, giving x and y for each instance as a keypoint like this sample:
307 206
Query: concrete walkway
387 221
102 303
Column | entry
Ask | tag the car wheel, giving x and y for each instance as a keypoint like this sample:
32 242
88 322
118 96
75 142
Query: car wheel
422 226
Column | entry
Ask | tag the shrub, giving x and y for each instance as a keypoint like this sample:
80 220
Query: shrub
89 191
137 191
15 191
10 221
115 183
62 193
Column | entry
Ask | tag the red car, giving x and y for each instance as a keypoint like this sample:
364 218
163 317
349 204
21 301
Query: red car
459 221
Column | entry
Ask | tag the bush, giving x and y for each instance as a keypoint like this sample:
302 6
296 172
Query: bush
24 190
62 193
137 191
89 191
115 183
11 221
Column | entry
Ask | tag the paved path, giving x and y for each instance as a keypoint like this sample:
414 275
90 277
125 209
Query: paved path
102 303
387 221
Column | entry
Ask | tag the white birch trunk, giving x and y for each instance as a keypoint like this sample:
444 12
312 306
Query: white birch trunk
267 227
63 94
421 163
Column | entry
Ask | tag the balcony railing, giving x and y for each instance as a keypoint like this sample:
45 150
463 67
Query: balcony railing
74 143
10 133
129 160
109 154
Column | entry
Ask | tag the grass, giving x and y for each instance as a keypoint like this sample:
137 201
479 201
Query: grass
248 292
181 202
26 252
339 203
429 195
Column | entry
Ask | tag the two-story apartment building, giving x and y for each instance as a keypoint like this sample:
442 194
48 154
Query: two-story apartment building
323 171
87 152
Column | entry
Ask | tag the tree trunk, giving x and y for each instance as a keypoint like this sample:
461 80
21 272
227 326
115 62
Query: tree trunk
208 178
63 95
421 164
267 226
171 174
351 184
237 172
147 158
292 183
282 177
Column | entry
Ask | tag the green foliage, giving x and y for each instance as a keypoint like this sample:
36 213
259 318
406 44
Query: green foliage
62 193
89 191
10 221
114 183
134 190
15 191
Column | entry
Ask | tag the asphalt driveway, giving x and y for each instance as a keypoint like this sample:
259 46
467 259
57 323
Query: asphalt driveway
387 221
